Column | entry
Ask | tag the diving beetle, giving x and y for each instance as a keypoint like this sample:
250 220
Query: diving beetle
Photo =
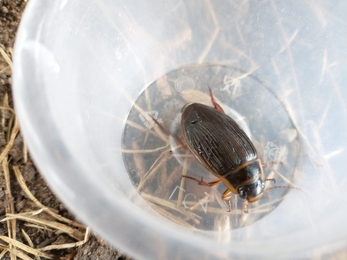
224 149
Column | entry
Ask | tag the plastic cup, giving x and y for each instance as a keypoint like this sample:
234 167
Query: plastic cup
79 66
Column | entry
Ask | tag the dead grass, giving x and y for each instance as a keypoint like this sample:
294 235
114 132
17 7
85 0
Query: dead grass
44 218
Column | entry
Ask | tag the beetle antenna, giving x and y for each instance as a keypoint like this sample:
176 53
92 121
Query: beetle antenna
282 187
167 131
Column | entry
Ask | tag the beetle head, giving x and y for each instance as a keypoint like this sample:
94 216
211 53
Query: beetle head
253 191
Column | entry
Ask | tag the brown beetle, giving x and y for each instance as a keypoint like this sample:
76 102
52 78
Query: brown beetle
224 149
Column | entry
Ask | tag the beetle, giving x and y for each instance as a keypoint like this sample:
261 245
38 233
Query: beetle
224 149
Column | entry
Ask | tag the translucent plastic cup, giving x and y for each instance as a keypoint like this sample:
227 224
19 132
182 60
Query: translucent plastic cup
79 67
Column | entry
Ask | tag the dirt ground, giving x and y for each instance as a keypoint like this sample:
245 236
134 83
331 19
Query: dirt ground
37 225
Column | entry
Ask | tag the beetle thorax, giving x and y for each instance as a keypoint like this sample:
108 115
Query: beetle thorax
253 191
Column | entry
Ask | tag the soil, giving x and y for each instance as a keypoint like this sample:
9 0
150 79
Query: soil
15 200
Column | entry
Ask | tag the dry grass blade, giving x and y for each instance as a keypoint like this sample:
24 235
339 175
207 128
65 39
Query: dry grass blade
155 127
3 71
214 34
4 250
132 151
62 246
6 57
69 245
25 152
72 232
25 248
171 216
14 252
162 159
141 128
38 227
21 182
172 206
86 234
9 145
27 238
7 108
184 173
11 224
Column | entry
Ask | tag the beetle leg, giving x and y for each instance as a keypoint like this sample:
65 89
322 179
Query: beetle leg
245 206
227 197
271 163
201 182
271 180
266 195
167 131
215 104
